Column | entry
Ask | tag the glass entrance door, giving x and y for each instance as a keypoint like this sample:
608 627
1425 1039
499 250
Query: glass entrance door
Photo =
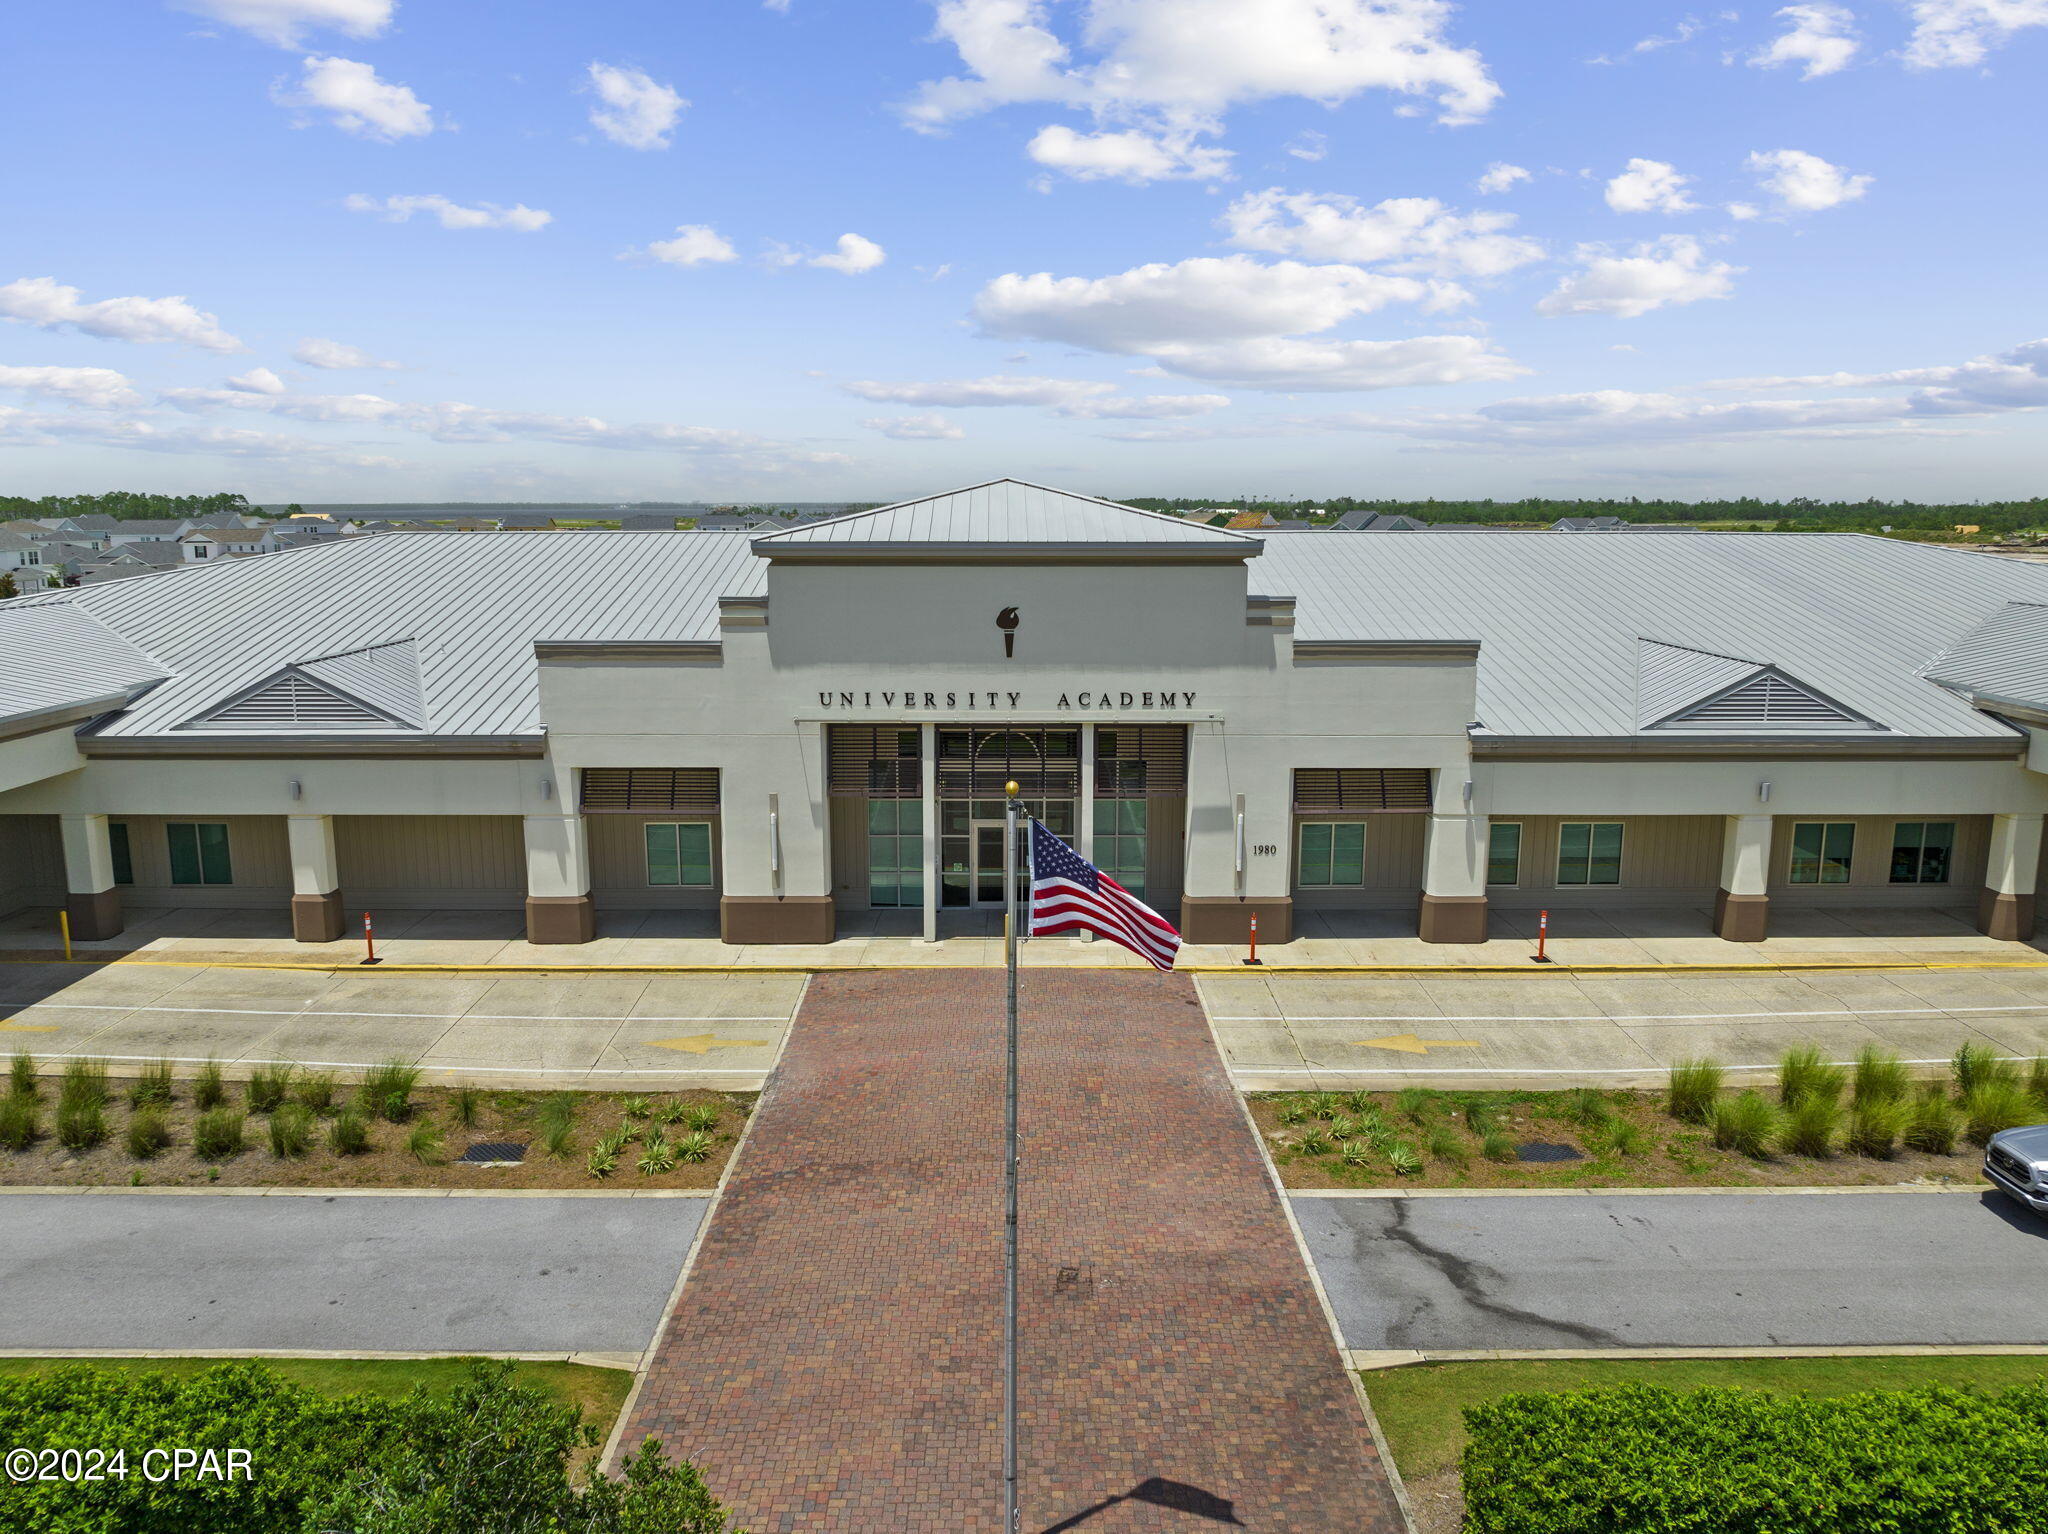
988 866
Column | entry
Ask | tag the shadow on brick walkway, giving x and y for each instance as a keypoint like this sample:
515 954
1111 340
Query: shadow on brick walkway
834 1361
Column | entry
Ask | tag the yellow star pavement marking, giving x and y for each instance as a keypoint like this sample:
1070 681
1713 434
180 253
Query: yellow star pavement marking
699 1043
8 1026
1408 1044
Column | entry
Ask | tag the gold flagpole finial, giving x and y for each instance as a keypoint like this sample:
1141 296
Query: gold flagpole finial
1011 788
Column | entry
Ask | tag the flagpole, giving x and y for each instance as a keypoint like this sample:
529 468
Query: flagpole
1012 1513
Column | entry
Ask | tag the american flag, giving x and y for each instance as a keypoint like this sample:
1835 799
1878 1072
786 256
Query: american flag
1070 894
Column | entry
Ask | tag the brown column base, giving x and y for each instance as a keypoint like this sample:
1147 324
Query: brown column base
317 918
1742 918
1226 921
1452 919
2009 918
777 919
560 919
94 918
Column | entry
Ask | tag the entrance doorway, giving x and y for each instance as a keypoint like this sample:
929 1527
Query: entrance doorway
987 886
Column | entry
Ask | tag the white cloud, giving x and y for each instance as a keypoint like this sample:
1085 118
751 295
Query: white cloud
257 381
1415 234
453 215
285 22
1820 37
853 255
1287 365
99 388
693 245
1649 186
317 353
1742 212
1951 33
50 305
1133 156
915 428
1663 272
1145 407
1684 32
1308 145
999 389
1805 183
634 109
1499 177
358 102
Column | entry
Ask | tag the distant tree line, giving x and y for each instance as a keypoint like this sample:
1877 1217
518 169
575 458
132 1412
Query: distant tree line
127 505
1994 518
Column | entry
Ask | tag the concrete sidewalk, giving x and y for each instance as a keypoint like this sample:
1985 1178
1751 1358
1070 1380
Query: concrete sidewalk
1649 936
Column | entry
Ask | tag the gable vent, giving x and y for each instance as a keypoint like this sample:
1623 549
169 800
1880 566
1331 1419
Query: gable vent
293 702
1765 701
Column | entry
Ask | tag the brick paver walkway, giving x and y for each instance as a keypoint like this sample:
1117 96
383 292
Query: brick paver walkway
834 1360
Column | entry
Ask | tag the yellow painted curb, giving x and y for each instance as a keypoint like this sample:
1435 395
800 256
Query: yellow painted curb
1370 1359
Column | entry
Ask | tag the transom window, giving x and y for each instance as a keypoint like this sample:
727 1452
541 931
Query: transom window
1822 851
1589 852
199 852
1331 854
1504 852
1921 851
679 854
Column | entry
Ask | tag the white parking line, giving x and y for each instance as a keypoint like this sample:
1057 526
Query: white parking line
1392 1068
439 1017
1641 1017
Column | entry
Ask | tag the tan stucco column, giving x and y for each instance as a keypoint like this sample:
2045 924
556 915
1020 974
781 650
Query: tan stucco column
1454 880
316 878
2005 909
1742 906
90 898
558 908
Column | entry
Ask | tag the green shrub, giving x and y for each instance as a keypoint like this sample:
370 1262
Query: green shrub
1403 1160
20 1121
21 1075
315 1090
1874 1128
85 1083
1746 1123
1811 1128
269 1085
1978 1065
387 1089
80 1125
349 1133
1806 1074
1880 1078
705 1116
1997 1105
149 1132
152 1086
208 1090
489 1457
1497 1145
291 1130
1445 1144
1643 1460
424 1144
1933 1124
217 1134
1695 1087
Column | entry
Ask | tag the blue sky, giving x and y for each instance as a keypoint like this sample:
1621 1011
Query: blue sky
357 249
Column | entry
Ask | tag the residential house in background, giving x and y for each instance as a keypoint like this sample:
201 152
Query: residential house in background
1601 524
228 543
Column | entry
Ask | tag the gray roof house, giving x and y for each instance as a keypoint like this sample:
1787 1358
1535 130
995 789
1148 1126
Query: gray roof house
1362 521
1600 524
151 529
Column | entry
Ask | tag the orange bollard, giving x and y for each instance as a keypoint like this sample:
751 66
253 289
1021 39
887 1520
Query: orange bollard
1542 938
1254 959
369 942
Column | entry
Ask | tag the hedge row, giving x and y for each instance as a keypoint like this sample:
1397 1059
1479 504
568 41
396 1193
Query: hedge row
489 1457
1639 1459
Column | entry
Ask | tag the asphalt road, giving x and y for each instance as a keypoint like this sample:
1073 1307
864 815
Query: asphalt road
409 1274
1722 1270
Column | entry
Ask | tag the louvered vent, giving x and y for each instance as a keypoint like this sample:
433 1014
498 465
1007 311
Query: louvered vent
975 764
650 790
294 703
1141 762
1763 702
870 762
1353 790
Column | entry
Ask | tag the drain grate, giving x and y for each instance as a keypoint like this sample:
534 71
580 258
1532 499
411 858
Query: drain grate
1544 1150
493 1153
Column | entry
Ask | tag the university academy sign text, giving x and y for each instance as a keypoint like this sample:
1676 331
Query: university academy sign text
1008 701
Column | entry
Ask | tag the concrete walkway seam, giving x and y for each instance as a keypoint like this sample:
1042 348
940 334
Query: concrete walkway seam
47 1189
1368 1359
608 1459
620 1361
1774 1192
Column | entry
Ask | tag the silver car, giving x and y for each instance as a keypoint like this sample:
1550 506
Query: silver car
2016 1160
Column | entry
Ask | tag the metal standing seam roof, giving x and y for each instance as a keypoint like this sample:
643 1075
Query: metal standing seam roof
1560 620
1671 677
56 657
1006 512
2004 658
387 677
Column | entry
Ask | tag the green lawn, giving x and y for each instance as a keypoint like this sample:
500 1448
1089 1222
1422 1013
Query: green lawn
1421 1406
600 1392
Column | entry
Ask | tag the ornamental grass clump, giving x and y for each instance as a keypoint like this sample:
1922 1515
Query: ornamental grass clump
349 1133
1880 1078
21 1075
1978 1065
152 1086
1415 1104
1996 1105
268 1086
291 1131
1479 1118
1695 1087
2037 1079
1747 1124
1812 1127
217 1134
20 1121
1587 1107
81 1124
424 1144
1933 1124
1807 1075
1497 1145
85 1081
466 1104
557 1121
314 1089
1445 1144
1618 1137
149 1132
387 1090
1874 1128
208 1090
